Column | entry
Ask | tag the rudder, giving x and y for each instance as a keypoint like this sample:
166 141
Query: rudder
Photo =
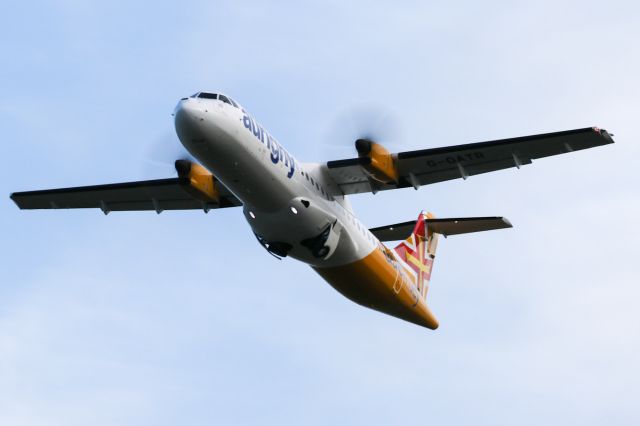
418 252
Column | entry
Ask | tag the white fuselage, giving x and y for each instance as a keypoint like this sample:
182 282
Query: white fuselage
287 203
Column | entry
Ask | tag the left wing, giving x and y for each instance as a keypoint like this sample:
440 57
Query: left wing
375 169
195 188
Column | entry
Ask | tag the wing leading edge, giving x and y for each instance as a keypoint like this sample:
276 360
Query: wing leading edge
428 166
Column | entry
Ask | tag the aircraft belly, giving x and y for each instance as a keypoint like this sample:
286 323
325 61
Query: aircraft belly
297 231
374 283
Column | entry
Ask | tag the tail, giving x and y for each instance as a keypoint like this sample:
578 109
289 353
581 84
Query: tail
419 251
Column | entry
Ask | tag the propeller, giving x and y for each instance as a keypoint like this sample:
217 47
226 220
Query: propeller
163 154
183 167
362 125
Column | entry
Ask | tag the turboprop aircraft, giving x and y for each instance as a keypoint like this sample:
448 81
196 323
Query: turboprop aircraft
301 210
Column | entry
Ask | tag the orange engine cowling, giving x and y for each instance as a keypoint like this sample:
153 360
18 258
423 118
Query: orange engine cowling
381 165
201 183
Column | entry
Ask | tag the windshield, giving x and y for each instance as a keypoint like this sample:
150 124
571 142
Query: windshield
205 95
223 98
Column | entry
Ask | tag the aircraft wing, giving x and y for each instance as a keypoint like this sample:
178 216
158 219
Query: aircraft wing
163 194
428 166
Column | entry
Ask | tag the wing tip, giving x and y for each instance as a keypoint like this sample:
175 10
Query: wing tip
608 137
14 197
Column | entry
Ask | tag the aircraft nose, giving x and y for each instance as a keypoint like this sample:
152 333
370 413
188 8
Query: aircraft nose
189 117
188 112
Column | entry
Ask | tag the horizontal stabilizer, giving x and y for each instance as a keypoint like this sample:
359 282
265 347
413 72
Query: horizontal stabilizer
445 227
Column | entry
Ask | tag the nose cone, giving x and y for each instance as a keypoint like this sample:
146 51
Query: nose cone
189 121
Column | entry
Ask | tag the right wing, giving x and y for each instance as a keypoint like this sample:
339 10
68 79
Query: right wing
428 166
179 193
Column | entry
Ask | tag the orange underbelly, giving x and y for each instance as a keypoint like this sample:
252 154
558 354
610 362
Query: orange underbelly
373 282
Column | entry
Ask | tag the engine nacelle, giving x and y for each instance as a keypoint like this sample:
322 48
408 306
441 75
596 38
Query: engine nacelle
201 183
381 165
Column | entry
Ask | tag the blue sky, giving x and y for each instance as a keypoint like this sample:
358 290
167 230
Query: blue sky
182 318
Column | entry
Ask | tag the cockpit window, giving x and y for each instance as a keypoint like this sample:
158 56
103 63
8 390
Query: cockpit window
205 95
223 98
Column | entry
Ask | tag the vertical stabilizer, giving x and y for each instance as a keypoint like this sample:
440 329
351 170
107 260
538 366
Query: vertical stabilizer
418 252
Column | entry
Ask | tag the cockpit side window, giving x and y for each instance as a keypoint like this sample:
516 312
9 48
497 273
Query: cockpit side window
233 103
224 99
205 95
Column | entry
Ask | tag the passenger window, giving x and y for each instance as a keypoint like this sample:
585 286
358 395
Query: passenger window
312 183
224 99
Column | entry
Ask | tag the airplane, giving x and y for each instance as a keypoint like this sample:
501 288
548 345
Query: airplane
301 210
